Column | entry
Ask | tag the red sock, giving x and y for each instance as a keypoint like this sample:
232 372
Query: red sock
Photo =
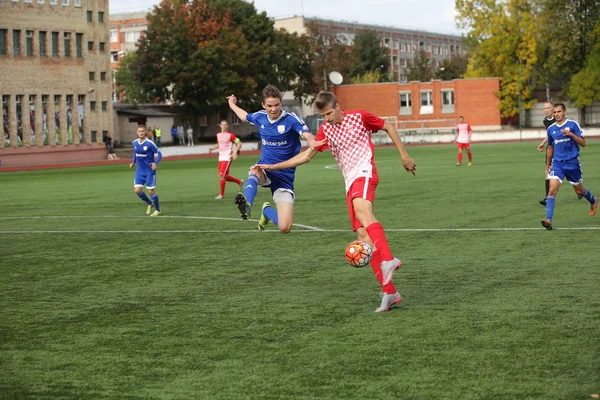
222 185
470 157
376 267
377 235
230 178
460 158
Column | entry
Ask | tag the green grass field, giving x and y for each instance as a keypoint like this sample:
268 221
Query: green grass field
99 301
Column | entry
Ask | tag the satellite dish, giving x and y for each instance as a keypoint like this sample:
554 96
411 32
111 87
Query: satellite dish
336 78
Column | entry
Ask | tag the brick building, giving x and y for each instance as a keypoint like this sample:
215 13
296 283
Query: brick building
428 105
55 82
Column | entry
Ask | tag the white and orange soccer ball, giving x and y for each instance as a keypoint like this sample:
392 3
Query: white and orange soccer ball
358 253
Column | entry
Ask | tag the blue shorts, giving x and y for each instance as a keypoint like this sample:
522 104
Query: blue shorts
143 178
570 169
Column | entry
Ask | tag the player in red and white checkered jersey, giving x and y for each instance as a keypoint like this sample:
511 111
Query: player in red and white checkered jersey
348 135
225 143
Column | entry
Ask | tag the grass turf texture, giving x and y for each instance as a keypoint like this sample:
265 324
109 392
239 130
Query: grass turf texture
186 310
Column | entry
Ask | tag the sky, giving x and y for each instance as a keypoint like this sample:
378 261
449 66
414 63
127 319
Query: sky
428 15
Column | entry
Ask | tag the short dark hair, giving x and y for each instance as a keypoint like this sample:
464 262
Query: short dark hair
562 105
549 102
271 91
325 99
461 116
141 126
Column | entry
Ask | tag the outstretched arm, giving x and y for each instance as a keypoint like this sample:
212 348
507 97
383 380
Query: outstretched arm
237 110
299 159
407 162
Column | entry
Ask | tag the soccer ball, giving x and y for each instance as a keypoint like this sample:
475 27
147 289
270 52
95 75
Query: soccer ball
358 253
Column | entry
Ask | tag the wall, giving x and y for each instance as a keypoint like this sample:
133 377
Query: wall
43 155
473 98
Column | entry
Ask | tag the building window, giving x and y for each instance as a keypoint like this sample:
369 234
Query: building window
403 78
89 16
92 76
52 2
203 120
90 46
65 2
447 101
102 76
80 99
405 103
29 43
92 106
103 105
114 56
16 42
78 42
56 99
26 1
3 33
132 37
77 3
235 120
93 134
101 47
114 36
55 44
100 17
42 36
426 102
67 37
403 63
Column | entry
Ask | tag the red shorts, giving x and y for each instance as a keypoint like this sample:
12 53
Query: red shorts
363 188
463 146
224 168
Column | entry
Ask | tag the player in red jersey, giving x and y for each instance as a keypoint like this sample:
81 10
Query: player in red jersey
348 135
463 140
225 142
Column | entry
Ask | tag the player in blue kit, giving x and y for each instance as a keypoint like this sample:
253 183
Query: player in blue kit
280 133
562 161
147 156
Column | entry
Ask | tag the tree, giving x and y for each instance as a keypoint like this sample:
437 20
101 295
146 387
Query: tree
128 86
328 55
420 69
204 50
455 68
584 87
503 37
368 55
368 77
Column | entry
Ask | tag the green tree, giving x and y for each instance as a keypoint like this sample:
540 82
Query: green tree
328 55
503 36
454 68
367 77
368 55
128 86
584 87
200 51
420 68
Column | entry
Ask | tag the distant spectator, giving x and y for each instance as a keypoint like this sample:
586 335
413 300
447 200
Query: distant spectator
110 146
181 135
174 134
157 134
190 136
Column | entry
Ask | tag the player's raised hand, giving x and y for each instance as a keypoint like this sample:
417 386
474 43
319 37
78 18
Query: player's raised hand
409 165
232 99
